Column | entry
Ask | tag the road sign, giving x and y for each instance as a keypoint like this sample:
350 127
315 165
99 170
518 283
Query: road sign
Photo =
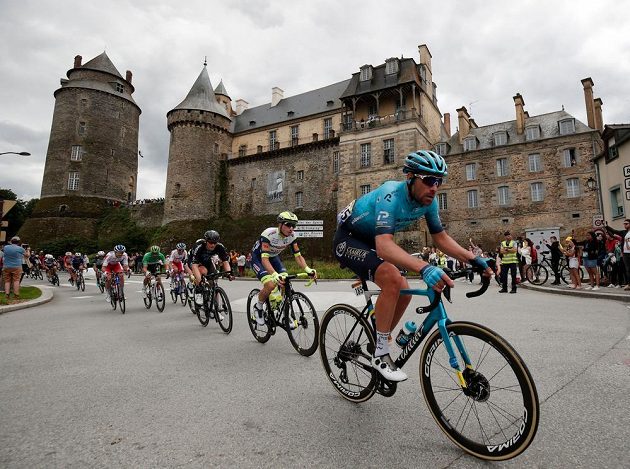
598 221
309 228
310 222
626 171
627 195
627 183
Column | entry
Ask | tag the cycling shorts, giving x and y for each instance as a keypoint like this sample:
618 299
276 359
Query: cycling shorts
259 269
154 268
178 266
356 254
116 268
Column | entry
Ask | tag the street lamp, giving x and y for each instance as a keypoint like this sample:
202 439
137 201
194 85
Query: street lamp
22 153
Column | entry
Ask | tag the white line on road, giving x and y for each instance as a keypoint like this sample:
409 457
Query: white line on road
81 297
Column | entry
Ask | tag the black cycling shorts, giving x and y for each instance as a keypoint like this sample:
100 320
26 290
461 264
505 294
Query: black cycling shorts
154 269
356 254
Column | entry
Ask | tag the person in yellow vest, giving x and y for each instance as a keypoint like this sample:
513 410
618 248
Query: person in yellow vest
441 259
509 262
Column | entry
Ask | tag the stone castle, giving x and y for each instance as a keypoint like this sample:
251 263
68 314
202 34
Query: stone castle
317 151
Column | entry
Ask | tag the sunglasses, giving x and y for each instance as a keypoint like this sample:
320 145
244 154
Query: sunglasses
290 225
430 181
209 242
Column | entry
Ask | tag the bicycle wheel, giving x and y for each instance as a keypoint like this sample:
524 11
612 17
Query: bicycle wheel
346 343
121 299
56 280
173 292
260 333
305 334
223 310
99 284
77 283
190 293
536 274
496 416
112 297
183 292
160 297
203 310
148 299
82 284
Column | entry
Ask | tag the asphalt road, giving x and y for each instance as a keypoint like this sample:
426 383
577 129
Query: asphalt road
84 386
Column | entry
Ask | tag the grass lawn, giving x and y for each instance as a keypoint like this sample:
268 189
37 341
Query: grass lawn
26 293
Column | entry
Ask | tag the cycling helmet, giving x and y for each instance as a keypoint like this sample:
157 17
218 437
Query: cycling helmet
100 253
78 254
154 249
425 162
48 256
287 217
211 236
180 246
119 248
68 253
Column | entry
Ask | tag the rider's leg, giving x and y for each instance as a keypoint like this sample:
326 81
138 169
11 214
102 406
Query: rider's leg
390 306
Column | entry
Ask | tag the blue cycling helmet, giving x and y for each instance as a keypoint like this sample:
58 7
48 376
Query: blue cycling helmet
180 246
425 162
119 248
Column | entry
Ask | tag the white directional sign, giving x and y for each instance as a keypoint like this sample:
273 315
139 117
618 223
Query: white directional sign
310 229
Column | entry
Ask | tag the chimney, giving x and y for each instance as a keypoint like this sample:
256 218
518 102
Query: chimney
520 113
77 61
276 95
425 56
599 121
447 123
473 124
241 105
587 83
128 76
464 123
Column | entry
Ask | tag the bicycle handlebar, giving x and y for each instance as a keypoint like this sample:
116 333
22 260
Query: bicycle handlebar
485 281
312 278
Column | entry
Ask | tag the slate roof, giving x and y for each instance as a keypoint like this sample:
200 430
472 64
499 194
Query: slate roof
220 89
103 64
302 105
408 73
201 96
548 128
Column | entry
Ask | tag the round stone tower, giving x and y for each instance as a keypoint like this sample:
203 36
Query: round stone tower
200 142
93 146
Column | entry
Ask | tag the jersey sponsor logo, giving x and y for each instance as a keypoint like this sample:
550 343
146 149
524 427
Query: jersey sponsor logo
356 254
388 197
340 249
345 213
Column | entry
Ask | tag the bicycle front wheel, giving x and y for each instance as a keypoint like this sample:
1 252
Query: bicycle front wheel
223 310
260 333
160 297
536 274
82 284
495 417
121 299
112 297
302 324
346 344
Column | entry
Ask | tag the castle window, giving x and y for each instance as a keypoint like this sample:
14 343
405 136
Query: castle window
365 189
440 148
335 162
73 181
471 171
366 155
300 175
391 66
569 157
536 189
442 202
330 102
290 113
532 132
273 140
328 127
294 135
120 88
77 153
534 163
366 73
242 150
573 187
500 138
502 167
503 195
216 147
473 199
567 126
470 143
82 128
259 149
388 151
298 200
253 183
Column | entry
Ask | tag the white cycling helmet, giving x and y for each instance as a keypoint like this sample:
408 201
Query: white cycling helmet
100 253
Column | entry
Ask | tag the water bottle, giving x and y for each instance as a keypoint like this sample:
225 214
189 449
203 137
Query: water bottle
405 333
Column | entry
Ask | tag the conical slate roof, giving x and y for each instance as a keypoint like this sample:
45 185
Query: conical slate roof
103 64
201 96
220 89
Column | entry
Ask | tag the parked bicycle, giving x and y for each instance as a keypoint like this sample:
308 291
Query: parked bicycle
215 302
116 294
154 291
538 273
477 388
294 313
80 281
178 288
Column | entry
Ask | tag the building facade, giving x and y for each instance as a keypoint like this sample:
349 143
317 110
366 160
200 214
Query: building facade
613 170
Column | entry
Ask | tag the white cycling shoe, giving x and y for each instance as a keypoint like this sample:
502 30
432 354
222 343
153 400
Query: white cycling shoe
258 312
388 369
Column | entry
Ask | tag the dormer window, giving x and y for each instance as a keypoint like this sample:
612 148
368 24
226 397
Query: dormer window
567 126
441 148
252 123
499 138
470 143
391 66
290 114
366 73
330 102
532 132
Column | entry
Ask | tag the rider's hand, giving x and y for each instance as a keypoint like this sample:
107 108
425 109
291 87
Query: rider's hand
482 263
311 272
435 277
230 275
276 278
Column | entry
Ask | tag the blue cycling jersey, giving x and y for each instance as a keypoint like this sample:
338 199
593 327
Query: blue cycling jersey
386 210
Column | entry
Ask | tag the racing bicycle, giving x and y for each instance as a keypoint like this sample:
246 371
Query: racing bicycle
80 281
154 291
294 313
216 304
116 293
477 388
178 288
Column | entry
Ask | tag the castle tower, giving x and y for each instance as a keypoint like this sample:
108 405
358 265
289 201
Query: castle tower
92 157
93 146
224 99
200 140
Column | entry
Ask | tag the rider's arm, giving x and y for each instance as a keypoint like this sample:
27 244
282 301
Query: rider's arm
388 250
264 256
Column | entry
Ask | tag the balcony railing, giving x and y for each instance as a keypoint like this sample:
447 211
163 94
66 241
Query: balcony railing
377 121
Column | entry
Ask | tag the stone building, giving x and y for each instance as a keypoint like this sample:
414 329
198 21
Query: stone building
92 157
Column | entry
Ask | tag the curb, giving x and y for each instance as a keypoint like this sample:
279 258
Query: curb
602 295
45 297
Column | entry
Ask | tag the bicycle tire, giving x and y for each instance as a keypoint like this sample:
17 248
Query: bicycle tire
501 383
121 300
536 274
99 284
261 333
223 311
174 295
305 337
565 274
82 284
160 297
148 299
112 297
183 293
56 280
336 352
203 310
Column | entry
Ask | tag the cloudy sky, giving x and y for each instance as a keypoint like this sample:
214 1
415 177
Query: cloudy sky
483 53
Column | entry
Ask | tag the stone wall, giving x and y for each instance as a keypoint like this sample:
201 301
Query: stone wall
148 215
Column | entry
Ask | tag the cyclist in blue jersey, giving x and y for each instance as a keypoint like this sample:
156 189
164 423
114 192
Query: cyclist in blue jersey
364 243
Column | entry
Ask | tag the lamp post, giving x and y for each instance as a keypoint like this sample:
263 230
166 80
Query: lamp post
22 153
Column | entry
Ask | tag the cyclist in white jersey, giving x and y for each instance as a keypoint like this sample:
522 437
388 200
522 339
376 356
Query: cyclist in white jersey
178 258
266 261
115 261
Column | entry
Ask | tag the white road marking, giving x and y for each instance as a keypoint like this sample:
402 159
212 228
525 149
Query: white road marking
81 297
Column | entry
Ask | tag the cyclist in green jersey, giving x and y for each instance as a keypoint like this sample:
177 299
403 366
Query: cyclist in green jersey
152 263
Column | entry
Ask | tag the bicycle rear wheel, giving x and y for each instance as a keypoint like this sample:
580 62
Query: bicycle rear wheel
346 344
536 274
301 313
496 416
223 310
160 297
260 333
56 280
